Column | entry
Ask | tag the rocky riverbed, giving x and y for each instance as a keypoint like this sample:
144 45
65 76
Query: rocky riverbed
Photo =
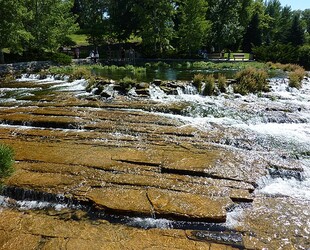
159 168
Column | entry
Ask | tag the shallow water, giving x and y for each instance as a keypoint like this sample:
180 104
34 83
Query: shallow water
272 127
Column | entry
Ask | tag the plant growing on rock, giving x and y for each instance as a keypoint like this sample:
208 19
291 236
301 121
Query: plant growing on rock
8 78
222 83
209 85
79 73
296 77
197 81
6 161
251 80
126 84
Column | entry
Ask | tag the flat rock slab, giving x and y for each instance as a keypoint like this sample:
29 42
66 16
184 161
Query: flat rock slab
121 200
34 231
190 206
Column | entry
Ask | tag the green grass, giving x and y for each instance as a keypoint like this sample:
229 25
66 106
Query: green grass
79 39
6 161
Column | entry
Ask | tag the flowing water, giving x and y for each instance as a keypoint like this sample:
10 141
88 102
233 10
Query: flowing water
270 129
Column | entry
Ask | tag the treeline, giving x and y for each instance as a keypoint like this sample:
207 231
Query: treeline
166 27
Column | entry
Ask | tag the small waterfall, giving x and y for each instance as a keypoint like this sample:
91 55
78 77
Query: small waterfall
289 184
157 94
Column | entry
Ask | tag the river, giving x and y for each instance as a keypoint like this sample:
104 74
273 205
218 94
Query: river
227 165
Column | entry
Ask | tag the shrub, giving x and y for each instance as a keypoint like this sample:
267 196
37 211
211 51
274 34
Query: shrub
283 53
61 58
79 73
222 83
187 65
126 84
203 65
9 77
296 77
251 80
6 161
304 56
209 85
197 81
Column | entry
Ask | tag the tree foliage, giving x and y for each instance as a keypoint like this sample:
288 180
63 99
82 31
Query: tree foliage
122 19
49 23
193 25
226 29
296 34
92 19
12 30
253 35
156 26
162 26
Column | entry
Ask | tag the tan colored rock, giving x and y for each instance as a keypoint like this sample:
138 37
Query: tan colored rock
45 232
133 201
17 240
189 206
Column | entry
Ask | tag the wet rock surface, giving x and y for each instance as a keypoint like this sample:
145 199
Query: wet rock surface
126 157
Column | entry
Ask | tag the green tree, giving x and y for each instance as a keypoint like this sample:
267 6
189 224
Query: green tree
245 12
226 30
296 34
193 25
94 20
122 19
284 24
49 22
156 26
273 10
12 29
306 20
253 35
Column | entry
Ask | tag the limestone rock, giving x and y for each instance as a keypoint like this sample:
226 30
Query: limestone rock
189 206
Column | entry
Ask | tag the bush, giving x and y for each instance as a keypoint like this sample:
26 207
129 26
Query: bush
60 58
80 73
197 81
126 84
209 85
296 77
304 56
283 53
222 83
6 161
251 80
285 67
202 65
9 77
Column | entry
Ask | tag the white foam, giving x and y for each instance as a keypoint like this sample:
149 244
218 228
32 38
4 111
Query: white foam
150 223
287 187
30 205
77 85
299 132
234 218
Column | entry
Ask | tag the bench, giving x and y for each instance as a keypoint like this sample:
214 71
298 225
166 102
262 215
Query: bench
238 56
215 56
